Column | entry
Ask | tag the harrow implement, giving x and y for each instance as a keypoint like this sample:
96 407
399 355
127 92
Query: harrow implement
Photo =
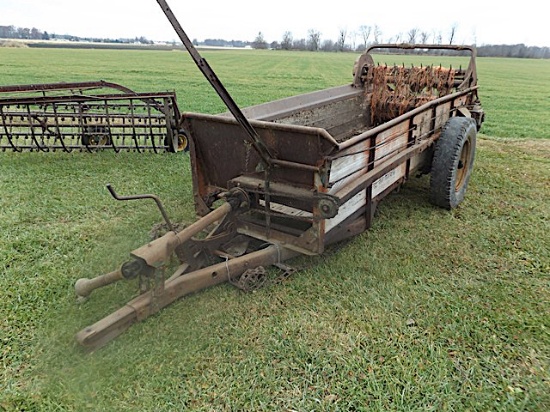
88 116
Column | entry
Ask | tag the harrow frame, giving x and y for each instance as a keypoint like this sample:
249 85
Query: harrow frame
88 116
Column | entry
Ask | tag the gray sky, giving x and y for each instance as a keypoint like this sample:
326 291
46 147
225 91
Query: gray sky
481 22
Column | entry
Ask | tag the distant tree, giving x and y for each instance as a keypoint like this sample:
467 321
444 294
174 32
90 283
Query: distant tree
364 32
259 42
45 36
474 36
299 44
424 36
411 36
341 41
35 34
23 33
353 39
518 50
328 45
437 37
313 39
452 32
377 33
145 40
8 32
274 45
286 44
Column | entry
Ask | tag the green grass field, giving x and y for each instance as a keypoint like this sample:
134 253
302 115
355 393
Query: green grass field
428 310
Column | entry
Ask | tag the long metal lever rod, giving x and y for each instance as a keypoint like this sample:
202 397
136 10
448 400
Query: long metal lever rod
207 71
139 197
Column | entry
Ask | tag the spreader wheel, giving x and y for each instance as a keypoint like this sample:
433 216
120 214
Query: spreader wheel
453 162
182 143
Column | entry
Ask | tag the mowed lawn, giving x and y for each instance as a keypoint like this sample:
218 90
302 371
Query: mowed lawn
428 310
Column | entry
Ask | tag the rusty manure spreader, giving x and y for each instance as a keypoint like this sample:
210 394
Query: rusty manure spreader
293 176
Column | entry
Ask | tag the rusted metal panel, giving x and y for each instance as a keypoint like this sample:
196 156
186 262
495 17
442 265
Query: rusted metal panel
289 110
220 152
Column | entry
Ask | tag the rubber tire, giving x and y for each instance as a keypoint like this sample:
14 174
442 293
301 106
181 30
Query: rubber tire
453 162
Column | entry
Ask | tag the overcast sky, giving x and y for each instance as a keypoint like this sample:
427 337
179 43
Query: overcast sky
480 22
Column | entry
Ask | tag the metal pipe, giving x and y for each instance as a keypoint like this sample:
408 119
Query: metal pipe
156 252
84 286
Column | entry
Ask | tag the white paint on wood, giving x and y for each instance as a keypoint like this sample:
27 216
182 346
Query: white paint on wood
346 210
287 210
388 179
335 188
347 165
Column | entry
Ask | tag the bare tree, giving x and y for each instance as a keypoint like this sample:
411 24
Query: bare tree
437 37
411 36
35 33
377 33
259 42
424 36
452 32
341 42
299 44
365 32
314 39
353 38
23 33
7 32
286 44
328 45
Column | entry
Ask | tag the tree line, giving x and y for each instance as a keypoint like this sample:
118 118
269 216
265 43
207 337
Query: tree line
369 35
356 41
24 33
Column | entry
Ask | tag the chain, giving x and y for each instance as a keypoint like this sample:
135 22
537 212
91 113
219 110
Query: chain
256 278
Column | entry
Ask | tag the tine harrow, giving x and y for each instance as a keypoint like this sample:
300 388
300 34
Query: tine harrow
88 116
